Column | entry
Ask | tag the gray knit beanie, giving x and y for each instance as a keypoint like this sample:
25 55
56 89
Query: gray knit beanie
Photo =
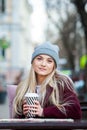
48 49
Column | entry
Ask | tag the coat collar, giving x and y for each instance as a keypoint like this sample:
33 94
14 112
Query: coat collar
49 90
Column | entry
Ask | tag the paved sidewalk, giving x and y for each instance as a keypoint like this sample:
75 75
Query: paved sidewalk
4 109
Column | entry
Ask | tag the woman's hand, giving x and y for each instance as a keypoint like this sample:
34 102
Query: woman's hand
25 107
35 109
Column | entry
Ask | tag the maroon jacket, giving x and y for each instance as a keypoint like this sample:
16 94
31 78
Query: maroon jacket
72 108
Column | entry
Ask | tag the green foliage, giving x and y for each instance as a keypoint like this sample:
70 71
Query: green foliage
83 61
4 44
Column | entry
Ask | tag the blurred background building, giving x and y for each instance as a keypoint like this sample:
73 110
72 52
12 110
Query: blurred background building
15 38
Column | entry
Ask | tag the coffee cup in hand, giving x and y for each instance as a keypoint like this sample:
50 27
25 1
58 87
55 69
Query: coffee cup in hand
31 98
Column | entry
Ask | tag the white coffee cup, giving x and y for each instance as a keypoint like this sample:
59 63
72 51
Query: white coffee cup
30 98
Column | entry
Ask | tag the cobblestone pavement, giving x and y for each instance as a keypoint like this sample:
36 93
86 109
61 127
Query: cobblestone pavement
4 109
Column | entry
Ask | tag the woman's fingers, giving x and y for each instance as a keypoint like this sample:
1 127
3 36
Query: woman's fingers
25 107
34 109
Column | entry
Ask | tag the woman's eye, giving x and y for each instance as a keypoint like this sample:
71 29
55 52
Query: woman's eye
39 58
50 61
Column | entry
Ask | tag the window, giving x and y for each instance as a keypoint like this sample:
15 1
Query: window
2 6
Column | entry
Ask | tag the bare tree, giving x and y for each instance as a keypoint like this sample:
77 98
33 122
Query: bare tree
81 6
66 28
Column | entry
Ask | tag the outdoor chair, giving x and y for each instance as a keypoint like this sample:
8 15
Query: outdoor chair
11 90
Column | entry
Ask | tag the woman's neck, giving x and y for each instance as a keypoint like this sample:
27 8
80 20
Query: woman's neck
40 79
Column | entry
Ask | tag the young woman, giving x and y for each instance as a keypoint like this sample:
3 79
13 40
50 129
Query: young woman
57 97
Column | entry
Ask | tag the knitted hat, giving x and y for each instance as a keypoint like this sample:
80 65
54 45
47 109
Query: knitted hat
48 49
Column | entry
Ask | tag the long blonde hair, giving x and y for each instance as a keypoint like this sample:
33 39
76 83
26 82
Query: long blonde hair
30 85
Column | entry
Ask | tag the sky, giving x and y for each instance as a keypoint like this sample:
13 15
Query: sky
38 20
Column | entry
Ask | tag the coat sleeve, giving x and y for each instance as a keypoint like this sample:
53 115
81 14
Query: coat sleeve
69 108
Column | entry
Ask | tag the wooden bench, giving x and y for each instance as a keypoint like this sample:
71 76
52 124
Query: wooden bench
43 125
83 105
84 109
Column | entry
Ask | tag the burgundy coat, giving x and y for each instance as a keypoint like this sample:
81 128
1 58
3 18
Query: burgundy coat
72 109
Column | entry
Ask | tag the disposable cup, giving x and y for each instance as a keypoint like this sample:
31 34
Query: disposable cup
31 98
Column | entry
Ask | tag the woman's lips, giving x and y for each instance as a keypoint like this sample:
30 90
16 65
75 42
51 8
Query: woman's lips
42 69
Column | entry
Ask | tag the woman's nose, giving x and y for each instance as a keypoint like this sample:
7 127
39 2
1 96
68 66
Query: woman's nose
43 63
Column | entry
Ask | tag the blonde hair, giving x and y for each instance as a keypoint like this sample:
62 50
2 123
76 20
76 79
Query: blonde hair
30 85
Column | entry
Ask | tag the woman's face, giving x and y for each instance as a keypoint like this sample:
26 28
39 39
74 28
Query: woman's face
43 65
